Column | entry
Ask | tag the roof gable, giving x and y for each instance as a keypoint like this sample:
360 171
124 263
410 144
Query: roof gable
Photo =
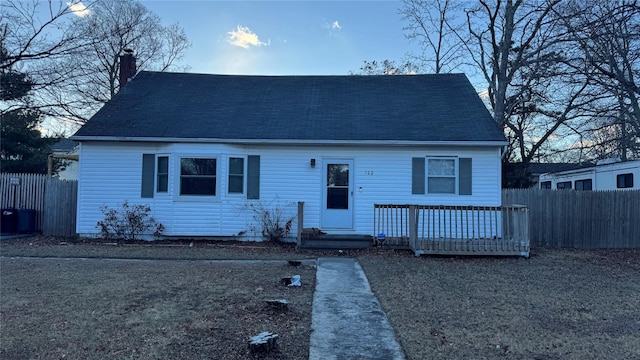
424 108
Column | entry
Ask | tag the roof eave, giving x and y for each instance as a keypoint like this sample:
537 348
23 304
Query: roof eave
292 141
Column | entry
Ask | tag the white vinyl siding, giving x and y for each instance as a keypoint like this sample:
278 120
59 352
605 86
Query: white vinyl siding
110 174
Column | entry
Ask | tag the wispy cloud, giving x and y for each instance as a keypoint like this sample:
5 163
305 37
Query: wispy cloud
78 8
332 25
244 38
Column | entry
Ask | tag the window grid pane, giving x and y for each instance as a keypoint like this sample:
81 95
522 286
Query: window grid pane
442 167
236 166
191 166
236 184
442 185
337 174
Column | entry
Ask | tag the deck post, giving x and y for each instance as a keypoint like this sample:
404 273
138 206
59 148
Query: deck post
413 229
300 223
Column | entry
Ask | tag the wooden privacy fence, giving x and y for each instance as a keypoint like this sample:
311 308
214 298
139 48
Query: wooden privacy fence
53 200
454 230
580 219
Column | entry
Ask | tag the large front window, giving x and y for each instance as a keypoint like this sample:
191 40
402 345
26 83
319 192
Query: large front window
441 176
198 176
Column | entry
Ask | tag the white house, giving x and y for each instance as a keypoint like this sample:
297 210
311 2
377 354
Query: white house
200 149
606 175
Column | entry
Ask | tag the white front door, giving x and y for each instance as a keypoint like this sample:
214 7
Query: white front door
337 194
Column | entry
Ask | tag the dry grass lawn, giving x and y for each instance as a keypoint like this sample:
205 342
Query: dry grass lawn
559 304
98 309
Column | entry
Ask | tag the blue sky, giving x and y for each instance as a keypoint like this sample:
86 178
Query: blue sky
286 37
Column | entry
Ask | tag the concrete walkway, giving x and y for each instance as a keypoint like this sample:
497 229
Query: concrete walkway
347 321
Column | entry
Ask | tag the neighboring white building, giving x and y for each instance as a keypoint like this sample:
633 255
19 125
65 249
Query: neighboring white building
67 150
202 149
607 175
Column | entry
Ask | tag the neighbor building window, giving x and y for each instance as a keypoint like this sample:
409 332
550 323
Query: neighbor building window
441 176
236 175
162 182
584 185
563 185
545 185
198 176
624 181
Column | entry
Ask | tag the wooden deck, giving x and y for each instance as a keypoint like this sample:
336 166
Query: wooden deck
454 230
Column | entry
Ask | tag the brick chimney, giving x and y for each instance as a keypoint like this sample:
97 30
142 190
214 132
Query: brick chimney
127 67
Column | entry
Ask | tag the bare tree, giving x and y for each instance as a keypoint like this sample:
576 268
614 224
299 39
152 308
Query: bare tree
26 32
33 36
538 85
608 35
387 67
122 25
72 57
436 25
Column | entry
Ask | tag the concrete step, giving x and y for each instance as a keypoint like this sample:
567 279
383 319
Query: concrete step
337 242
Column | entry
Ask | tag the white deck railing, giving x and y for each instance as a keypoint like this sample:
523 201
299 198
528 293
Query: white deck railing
455 230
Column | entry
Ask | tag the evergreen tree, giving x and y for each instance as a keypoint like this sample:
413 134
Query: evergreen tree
23 149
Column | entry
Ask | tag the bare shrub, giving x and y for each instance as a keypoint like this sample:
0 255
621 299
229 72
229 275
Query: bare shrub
273 219
128 223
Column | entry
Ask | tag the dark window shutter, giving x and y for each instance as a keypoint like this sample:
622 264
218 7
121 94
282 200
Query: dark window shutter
417 175
253 177
148 174
464 173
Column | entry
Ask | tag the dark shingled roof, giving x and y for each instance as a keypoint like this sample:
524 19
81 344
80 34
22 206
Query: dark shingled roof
421 108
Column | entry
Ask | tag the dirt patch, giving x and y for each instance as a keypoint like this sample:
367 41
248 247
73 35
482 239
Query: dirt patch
96 309
559 304
47 246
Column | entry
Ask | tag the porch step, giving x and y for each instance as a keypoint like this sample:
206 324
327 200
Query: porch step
337 242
